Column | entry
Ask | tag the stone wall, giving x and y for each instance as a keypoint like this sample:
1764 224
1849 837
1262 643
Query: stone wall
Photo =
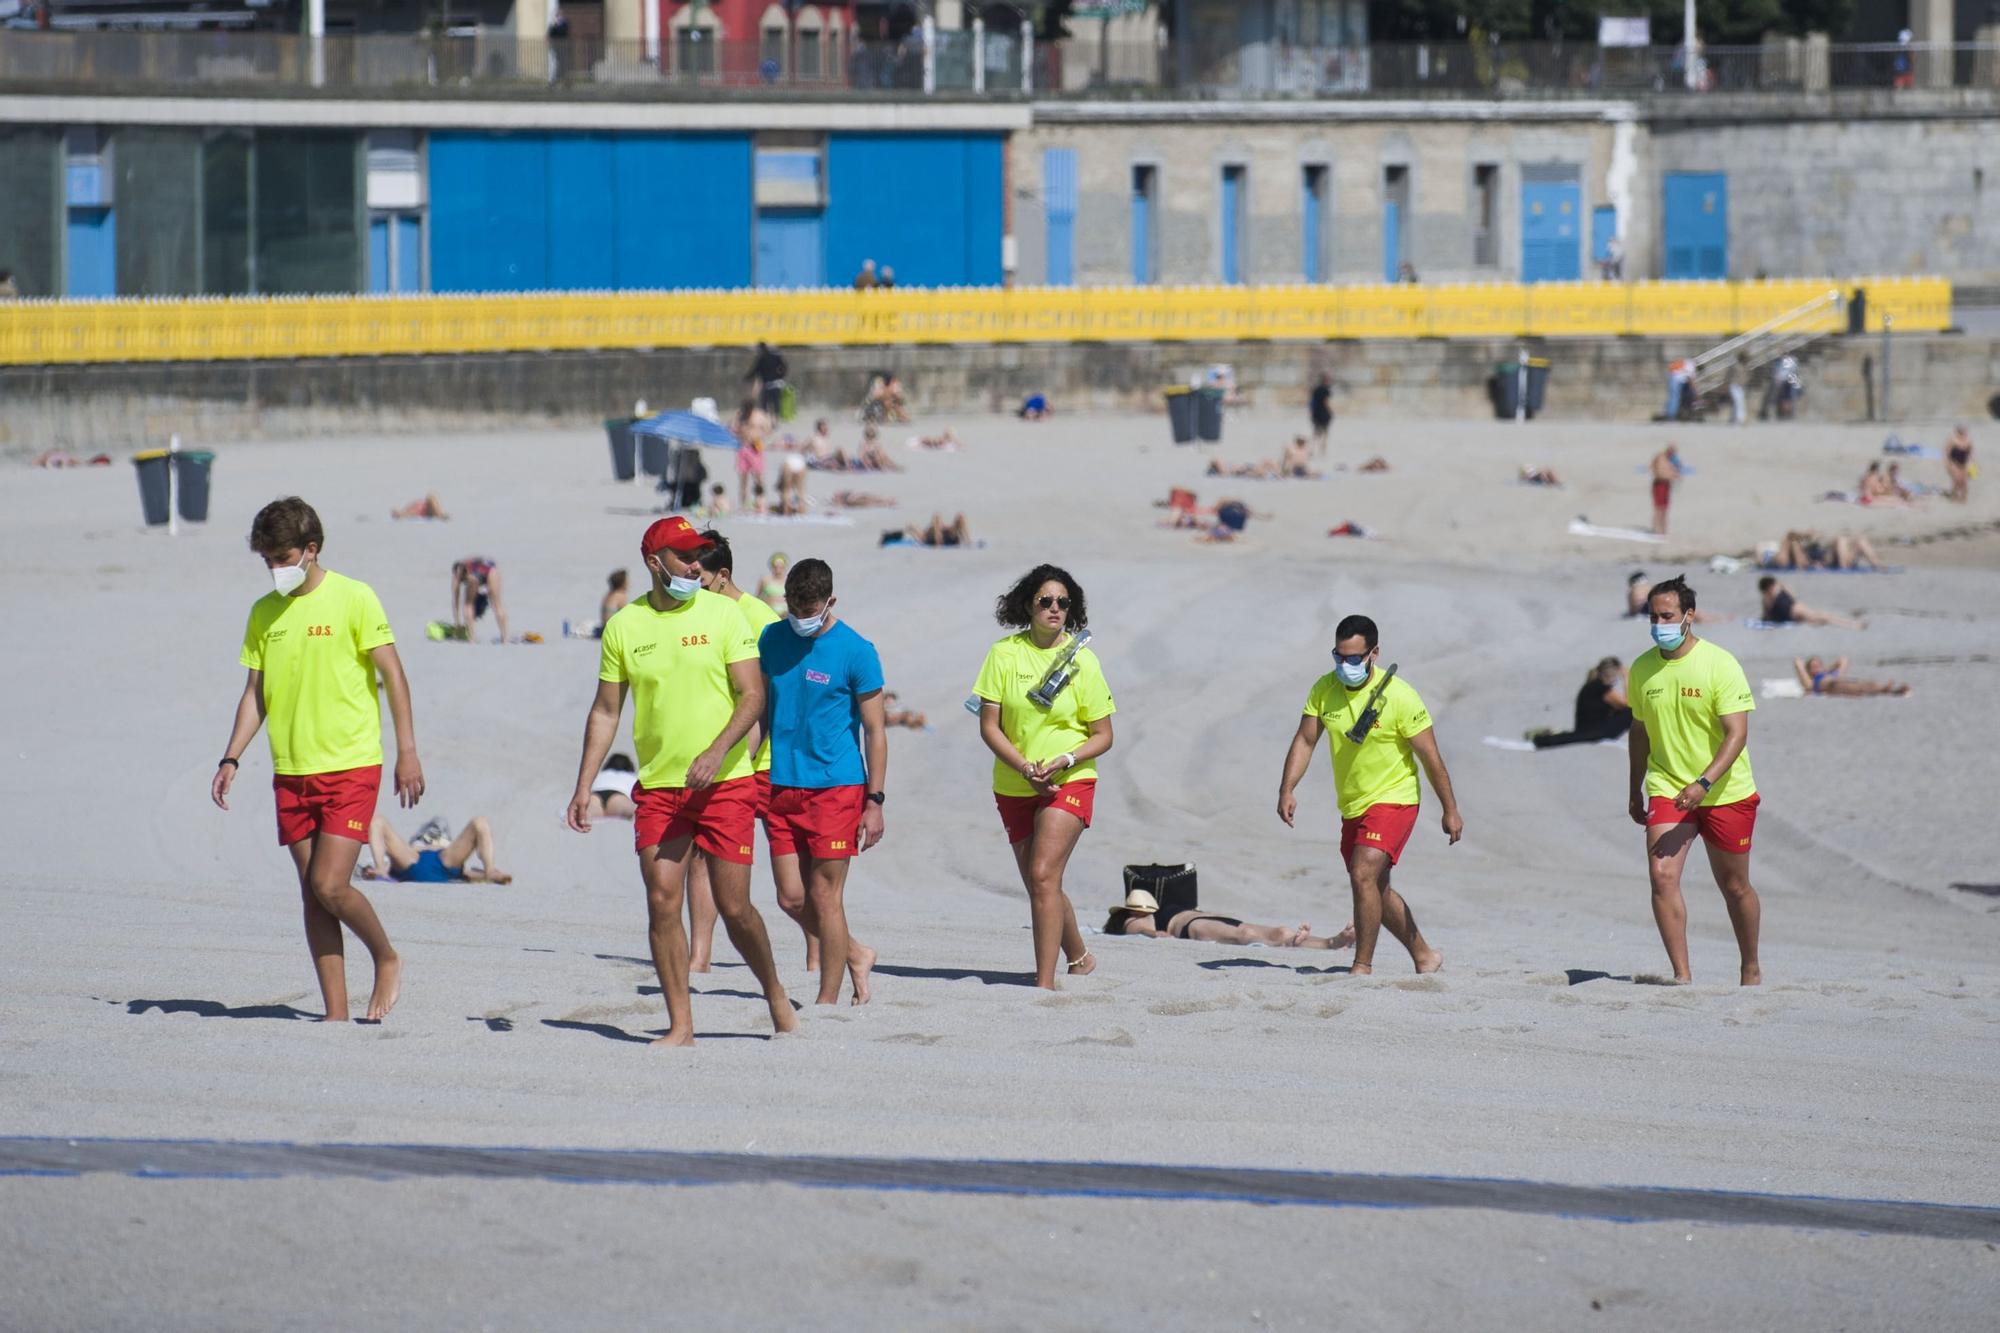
93 407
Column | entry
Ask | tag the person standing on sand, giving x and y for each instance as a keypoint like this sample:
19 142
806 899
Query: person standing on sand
1376 778
313 647
687 658
1665 470
1690 751
823 689
1044 757
1319 409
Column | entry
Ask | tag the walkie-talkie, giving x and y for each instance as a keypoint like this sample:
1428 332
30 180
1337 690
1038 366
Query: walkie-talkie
1359 731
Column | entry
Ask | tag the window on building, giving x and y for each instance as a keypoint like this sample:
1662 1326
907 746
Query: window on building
1312 238
809 60
1397 263
694 52
1145 196
771 51
1486 214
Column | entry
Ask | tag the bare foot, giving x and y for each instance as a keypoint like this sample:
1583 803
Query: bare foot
699 964
861 962
498 877
1084 966
1345 939
782 1017
1300 936
1753 975
1430 962
1361 970
675 1038
388 987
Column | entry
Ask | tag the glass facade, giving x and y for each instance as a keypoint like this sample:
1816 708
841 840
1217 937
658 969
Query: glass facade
31 208
159 211
225 214
307 191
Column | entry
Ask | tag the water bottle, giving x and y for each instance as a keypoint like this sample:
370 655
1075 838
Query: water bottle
973 703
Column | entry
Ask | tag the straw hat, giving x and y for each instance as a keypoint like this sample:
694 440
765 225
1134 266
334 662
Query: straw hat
1139 901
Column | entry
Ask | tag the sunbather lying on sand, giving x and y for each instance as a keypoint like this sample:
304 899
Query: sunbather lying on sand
1140 914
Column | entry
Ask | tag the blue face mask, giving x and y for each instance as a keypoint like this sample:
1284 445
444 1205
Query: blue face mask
680 589
805 626
1669 636
1351 675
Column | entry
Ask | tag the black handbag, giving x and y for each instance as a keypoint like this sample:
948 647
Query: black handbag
1172 886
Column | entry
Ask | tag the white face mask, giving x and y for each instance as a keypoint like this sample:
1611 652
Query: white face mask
288 579
805 626
680 589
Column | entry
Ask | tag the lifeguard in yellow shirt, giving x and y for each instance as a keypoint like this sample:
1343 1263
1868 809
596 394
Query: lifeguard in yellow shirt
690 664
1376 778
314 645
1690 750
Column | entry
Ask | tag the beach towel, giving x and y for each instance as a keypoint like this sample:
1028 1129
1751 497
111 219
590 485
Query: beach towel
823 520
1783 687
1583 527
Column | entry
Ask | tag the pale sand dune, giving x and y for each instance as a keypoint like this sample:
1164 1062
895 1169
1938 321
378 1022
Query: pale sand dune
1863 1068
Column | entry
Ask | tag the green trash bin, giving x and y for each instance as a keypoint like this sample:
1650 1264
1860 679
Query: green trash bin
1181 412
191 472
624 466
154 486
1208 414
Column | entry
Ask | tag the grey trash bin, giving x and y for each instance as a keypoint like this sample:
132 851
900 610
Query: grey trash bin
1506 388
1181 413
191 472
624 466
1538 384
1208 414
153 466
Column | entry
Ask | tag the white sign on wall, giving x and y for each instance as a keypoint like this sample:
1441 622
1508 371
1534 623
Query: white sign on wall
1624 31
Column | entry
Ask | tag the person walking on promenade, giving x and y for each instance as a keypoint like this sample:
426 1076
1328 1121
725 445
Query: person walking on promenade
1376 780
314 646
1045 712
1690 752
687 658
829 747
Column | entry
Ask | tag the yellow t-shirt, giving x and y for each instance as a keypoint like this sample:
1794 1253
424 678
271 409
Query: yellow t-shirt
759 614
1380 769
1013 667
1682 704
321 710
677 664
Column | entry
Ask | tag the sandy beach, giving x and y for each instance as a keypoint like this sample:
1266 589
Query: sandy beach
137 914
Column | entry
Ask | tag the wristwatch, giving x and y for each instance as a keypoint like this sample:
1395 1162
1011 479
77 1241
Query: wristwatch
1705 783
877 797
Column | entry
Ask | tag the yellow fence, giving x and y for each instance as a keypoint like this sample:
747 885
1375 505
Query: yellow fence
285 328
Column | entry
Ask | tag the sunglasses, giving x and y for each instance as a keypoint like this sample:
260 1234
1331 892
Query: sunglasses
1060 603
1352 659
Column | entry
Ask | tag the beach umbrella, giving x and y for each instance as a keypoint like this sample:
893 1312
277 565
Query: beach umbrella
686 428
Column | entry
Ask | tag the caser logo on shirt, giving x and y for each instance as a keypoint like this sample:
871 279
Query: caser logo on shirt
818 677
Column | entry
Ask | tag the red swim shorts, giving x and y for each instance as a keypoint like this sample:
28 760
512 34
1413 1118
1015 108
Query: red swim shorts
1386 828
1728 828
1662 492
338 803
763 793
721 819
824 822
1018 813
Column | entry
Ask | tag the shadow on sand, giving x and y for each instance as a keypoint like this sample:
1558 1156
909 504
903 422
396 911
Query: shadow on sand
1578 975
217 1009
620 1034
956 974
1218 964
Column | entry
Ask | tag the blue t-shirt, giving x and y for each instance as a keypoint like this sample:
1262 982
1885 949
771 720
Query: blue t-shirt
812 706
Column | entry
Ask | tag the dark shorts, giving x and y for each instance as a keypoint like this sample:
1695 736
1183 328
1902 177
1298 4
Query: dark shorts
338 803
429 868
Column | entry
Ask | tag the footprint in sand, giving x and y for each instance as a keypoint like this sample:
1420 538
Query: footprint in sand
913 1038
1118 1037
1182 1008
1418 983
1069 1001
1330 1011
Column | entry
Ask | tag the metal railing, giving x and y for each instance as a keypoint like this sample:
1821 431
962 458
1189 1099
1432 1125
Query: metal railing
1778 336
990 63
290 328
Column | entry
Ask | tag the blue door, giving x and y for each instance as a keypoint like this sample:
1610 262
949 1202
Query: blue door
1142 225
791 247
381 277
1312 204
409 253
1059 205
1232 224
1603 227
1697 224
1392 241
93 253
1551 231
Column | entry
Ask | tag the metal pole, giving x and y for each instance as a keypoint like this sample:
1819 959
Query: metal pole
930 55
173 486
1027 56
316 38
1887 380
1687 45
979 55
1521 385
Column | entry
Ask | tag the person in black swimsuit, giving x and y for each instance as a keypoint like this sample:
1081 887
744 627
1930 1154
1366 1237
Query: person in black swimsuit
1958 462
1602 713
1781 608
1140 914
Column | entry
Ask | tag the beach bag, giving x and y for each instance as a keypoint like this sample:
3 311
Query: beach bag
1173 886
788 403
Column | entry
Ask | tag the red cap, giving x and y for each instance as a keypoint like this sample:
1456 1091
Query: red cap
674 534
